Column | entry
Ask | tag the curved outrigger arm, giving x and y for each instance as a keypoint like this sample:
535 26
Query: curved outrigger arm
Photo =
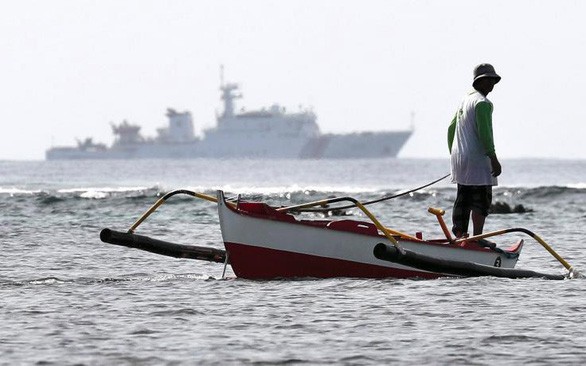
525 231
162 200
438 212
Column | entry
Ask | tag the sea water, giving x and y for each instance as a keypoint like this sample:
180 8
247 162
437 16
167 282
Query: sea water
68 298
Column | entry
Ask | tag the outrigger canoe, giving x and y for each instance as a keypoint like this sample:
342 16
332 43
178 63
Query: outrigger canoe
266 242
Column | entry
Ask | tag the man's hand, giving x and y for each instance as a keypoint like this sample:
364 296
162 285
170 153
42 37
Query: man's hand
495 165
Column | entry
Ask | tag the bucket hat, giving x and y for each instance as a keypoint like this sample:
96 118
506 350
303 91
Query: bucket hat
485 71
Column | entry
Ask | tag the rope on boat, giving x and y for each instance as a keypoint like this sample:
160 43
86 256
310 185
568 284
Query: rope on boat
299 208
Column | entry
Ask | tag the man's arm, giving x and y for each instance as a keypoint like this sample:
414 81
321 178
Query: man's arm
484 127
451 133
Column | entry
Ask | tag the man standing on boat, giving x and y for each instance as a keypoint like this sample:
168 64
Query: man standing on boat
474 163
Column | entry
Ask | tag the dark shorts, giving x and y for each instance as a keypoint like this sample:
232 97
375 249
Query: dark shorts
470 198
475 198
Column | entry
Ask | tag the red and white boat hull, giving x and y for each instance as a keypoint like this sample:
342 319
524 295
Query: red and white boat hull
262 243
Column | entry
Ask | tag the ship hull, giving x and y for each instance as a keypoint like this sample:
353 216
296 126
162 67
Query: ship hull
349 146
271 133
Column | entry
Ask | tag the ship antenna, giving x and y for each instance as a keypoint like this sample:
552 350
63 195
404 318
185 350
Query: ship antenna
228 95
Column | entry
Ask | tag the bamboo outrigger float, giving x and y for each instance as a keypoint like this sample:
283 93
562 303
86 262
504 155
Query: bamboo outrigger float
265 242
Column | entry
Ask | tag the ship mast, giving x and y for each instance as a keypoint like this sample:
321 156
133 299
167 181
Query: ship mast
228 95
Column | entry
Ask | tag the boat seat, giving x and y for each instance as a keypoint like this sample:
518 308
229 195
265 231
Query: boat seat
352 226
264 210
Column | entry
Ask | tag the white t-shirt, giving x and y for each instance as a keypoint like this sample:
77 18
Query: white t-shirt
470 164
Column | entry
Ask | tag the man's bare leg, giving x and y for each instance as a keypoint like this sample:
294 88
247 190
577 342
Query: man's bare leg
478 222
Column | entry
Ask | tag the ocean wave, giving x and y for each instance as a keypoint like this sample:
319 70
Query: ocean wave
161 277
278 189
93 193
36 281
286 192
136 277
550 191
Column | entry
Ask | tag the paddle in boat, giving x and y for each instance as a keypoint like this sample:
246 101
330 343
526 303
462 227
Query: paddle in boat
266 242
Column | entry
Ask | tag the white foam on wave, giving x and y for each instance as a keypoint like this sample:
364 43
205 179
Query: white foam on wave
94 194
103 189
14 191
577 185
250 189
100 192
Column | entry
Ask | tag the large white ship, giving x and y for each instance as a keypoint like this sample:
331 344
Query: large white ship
266 133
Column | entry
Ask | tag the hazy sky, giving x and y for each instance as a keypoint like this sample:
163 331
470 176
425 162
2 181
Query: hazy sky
69 68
